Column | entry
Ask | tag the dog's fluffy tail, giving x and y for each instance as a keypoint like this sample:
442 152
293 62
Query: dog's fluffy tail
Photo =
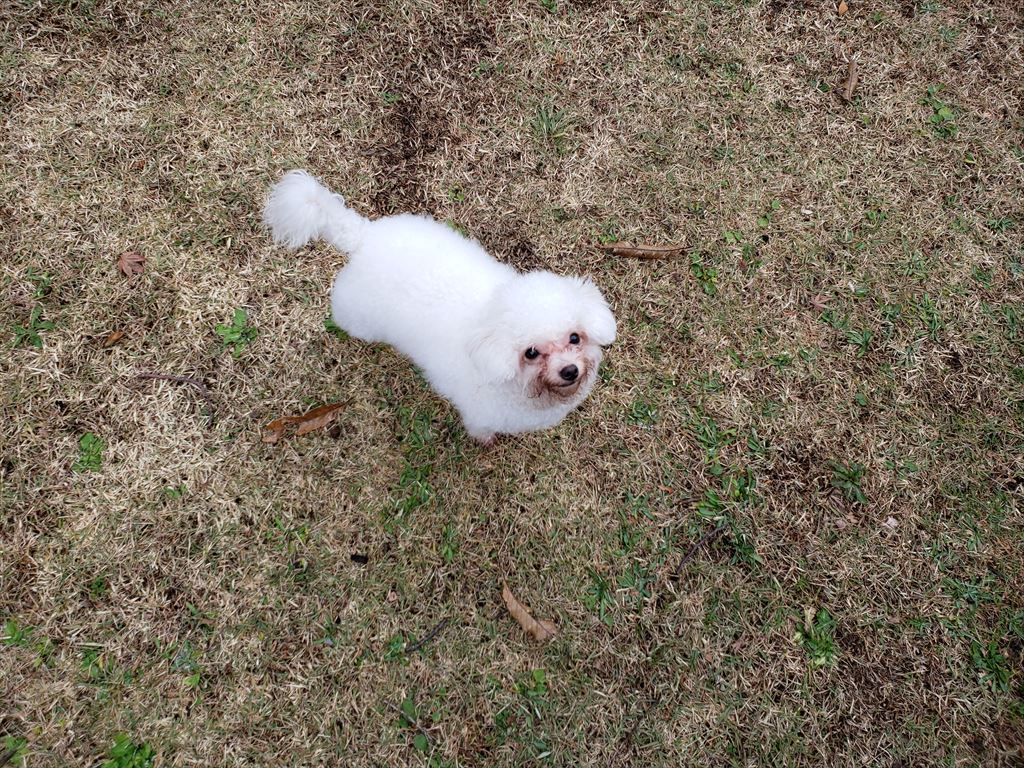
300 208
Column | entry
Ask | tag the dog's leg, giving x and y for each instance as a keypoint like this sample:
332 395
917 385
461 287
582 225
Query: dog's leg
485 437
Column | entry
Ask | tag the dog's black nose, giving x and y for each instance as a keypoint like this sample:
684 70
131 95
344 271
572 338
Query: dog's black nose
569 373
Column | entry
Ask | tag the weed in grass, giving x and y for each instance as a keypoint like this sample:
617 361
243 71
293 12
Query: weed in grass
943 117
30 334
457 227
756 444
15 634
128 754
408 719
456 195
765 219
14 749
992 665
876 217
949 34
520 718
98 588
559 214
643 412
1000 224
25 637
861 339
551 6
395 650
534 689
637 579
969 594
929 315
449 543
99 669
847 478
983 276
90 453
628 536
679 62
334 329
1012 319
818 638
485 68
238 334
610 232
414 486
185 662
598 598
718 506
175 492
712 438
705 275
551 126
42 282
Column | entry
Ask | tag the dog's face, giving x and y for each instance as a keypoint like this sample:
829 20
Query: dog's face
560 368
544 332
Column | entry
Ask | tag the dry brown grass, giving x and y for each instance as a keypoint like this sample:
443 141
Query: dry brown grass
198 593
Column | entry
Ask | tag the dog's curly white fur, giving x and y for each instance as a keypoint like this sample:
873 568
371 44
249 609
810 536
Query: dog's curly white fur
513 352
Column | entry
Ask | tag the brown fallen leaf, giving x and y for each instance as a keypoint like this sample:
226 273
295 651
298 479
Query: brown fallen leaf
851 80
112 339
642 251
820 302
843 7
307 422
131 263
539 629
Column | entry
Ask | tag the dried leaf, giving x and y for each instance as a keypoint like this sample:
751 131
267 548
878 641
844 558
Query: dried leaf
112 339
643 251
843 7
851 80
820 302
307 422
539 629
131 263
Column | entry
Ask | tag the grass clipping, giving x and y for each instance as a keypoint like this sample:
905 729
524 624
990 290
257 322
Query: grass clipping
539 629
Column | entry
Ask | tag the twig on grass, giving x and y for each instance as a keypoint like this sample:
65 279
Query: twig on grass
706 538
642 251
427 637
196 384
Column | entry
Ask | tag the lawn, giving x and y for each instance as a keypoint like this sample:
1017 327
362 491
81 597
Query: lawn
785 530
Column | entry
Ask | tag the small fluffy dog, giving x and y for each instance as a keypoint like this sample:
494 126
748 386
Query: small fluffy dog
513 352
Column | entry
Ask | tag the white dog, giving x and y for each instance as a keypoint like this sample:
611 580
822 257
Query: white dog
513 352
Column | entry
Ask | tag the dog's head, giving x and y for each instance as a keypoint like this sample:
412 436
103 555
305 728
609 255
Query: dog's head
545 332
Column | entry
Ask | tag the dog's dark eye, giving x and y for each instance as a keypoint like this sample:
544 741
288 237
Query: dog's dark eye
574 338
531 353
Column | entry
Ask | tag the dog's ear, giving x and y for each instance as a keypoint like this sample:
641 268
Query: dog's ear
598 321
491 352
